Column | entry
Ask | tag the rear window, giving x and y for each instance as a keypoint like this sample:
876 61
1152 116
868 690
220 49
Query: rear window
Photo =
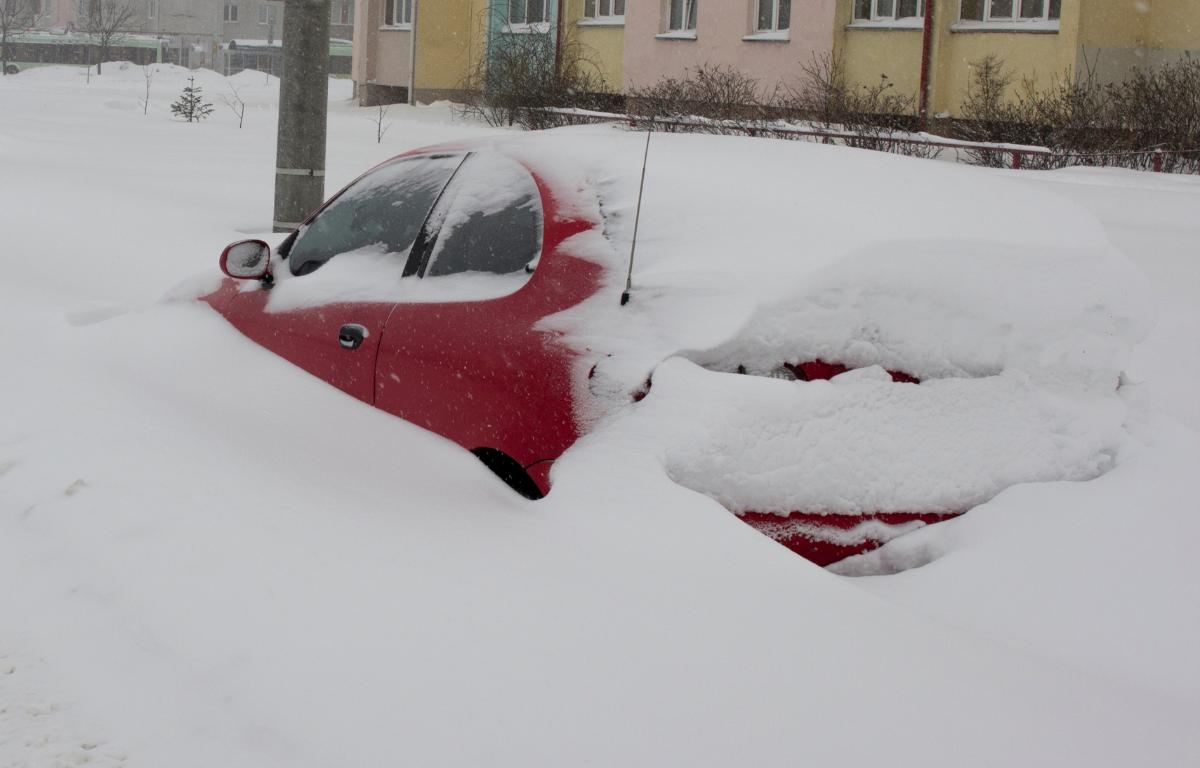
489 220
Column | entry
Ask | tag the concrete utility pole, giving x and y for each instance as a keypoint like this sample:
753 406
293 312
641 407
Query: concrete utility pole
303 107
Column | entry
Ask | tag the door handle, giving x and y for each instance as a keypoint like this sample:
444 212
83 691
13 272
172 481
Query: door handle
351 335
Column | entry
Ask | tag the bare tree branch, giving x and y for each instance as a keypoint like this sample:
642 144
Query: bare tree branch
148 74
235 102
15 15
105 21
381 128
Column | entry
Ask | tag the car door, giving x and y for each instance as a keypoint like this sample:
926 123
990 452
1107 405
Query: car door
328 309
465 357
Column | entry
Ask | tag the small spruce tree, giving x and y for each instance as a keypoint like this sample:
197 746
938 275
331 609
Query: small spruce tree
191 105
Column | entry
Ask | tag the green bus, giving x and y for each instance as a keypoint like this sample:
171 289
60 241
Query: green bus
39 49
266 56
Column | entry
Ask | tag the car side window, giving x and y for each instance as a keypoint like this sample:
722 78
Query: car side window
384 210
489 220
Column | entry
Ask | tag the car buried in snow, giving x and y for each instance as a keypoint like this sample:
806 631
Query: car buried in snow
475 290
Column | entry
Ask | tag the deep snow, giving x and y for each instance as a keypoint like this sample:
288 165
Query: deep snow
211 559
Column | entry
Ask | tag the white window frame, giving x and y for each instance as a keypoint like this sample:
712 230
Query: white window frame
880 18
401 13
524 26
345 12
266 14
595 15
231 13
688 29
1014 23
774 17
151 9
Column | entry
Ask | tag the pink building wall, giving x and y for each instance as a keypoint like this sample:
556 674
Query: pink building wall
722 27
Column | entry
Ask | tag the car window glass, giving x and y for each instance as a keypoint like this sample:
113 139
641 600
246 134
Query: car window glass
382 211
489 221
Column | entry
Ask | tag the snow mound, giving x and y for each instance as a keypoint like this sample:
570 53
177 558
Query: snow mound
939 308
1021 334
861 443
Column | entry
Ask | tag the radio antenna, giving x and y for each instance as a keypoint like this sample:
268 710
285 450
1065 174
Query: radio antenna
637 217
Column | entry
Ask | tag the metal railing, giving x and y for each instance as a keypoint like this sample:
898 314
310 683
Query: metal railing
930 146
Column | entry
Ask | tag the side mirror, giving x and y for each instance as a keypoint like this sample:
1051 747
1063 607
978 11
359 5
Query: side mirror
247 260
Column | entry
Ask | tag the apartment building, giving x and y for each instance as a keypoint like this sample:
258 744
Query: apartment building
599 27
631 42
430 50
199 31
769 40
1038 40
433 49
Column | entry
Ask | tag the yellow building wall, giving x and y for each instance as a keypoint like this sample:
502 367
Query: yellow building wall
867 54
451 41
602 45
1173 24
1113 36
1114 23
1038 57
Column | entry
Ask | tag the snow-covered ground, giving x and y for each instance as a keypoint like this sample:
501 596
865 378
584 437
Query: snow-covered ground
209 558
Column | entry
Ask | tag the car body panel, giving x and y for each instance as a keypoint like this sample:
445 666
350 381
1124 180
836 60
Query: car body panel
481 373
309 337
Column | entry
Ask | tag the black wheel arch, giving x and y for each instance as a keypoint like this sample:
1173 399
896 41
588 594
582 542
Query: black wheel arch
510 471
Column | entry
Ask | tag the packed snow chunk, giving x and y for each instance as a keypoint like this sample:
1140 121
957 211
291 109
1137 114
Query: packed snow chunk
861 443
938 308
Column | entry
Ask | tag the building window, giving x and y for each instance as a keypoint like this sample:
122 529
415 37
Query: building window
266 15
521 12
681 16
604 10
774 15
343 13
889 10
151 9
398 13
1010 10
231 13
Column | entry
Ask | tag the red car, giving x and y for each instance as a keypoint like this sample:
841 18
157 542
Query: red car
455 345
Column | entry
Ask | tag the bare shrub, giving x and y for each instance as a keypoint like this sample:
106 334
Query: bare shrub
380 120
711 98
1159 109
1081 121
873 116
234 101
988 115
524 77
148 78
